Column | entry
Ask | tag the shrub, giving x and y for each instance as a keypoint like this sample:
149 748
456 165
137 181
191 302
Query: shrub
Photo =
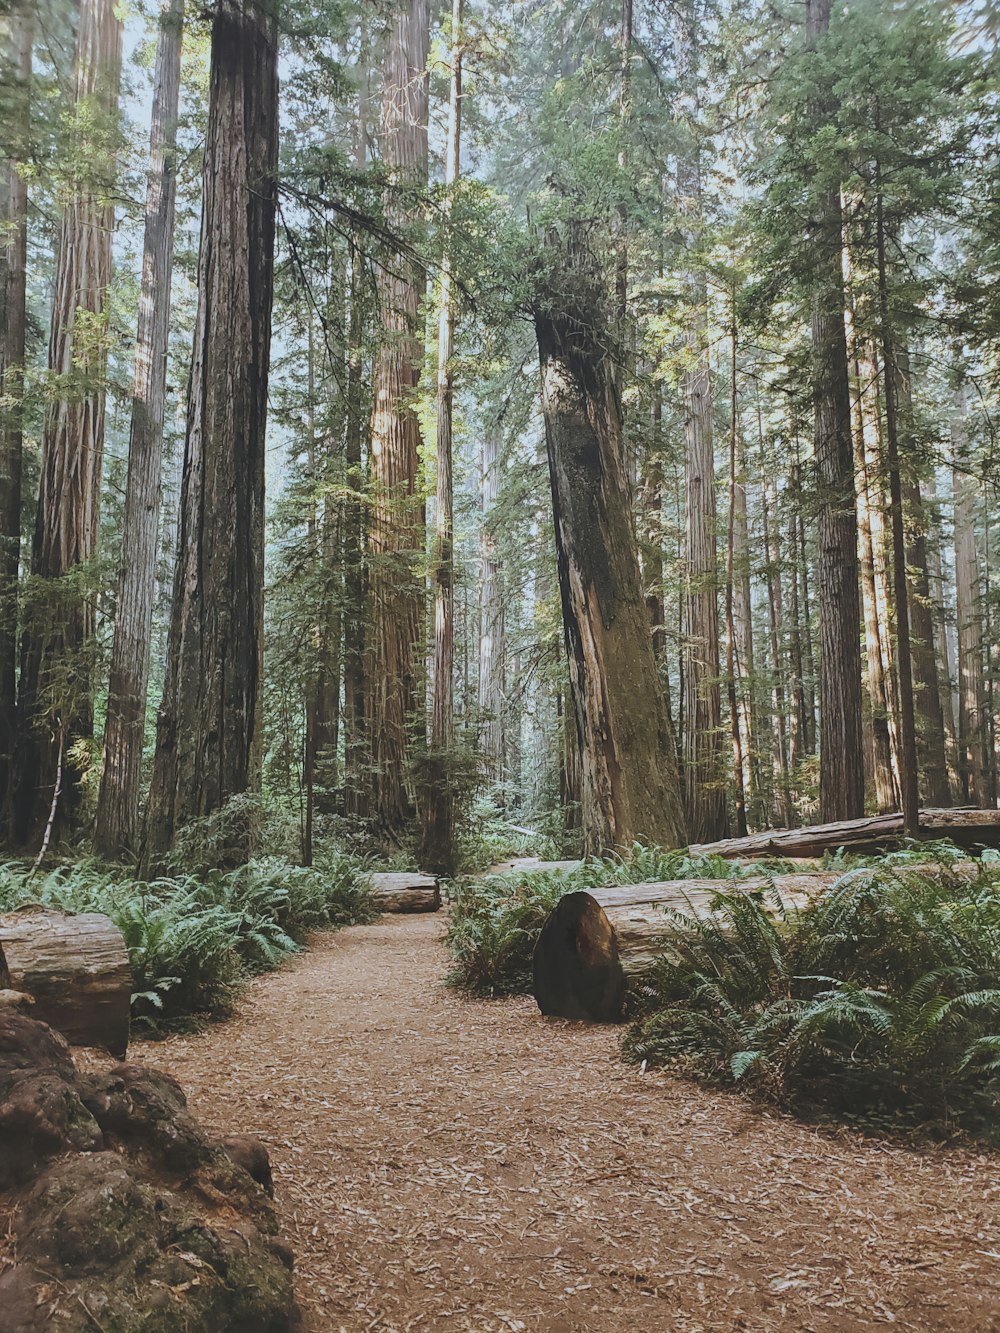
495 921
194 940
879 1001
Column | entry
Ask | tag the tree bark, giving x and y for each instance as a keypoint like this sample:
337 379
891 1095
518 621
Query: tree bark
55 708
392 696
842 777
492 644
75 968
438 853
16 60
398 892
973 829
703 737
971 693
117 825
629 789
208 724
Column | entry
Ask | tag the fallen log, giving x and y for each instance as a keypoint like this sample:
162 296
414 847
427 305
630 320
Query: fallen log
595 943
972 829
399 891
75 968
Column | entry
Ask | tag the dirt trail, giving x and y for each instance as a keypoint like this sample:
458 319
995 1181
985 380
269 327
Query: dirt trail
444 1164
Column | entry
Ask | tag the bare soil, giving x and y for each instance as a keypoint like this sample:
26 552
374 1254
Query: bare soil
447 1164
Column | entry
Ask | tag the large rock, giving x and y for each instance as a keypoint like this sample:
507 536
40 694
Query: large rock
127 1216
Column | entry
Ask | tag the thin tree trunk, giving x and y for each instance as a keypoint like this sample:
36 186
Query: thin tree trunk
55 707
355 507
971 692
842 777
438 855
784 809
208 728
117 825
13 327
942 647
909 783
492 645
629 786
731 652
930 736
392 695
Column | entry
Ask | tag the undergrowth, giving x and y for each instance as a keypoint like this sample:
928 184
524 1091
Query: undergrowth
879 1002
194 940
495 921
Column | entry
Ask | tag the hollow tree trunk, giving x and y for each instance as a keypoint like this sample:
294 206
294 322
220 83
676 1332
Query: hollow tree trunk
842 777
392 693
117 825
16 65
208 725
629 786
438 853
55 707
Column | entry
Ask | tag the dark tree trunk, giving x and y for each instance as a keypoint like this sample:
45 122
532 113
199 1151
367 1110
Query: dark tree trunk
208 725
13 326
117 826
629 787
392 694
54 706
842 775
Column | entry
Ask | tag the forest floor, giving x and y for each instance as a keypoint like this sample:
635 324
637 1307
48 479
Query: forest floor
450 1164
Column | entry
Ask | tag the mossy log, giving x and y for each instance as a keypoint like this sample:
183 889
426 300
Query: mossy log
75 968
400 891
969 828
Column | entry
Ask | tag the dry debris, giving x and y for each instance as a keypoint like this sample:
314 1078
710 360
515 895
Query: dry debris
445 1164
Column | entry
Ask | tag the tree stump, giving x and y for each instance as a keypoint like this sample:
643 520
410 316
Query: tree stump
76 970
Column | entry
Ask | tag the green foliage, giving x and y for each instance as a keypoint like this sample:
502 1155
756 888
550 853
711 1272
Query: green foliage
881 1001
194 940
495 921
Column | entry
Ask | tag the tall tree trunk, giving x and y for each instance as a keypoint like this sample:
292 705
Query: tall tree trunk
842 776
942 647
735 724
704 760
438 853
207 741
16 66
55 707
879 711
629 788
909 775
492 645
117 826
971 694
355 506
397 537
930 736
784 809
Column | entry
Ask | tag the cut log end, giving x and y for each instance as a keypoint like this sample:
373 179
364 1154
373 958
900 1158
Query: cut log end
76 970
576 968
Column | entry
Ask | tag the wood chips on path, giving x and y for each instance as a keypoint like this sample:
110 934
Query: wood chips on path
448 1164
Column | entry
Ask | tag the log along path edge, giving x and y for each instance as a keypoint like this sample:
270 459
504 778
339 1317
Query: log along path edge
449 1164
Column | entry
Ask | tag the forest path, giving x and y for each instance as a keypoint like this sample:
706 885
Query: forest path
449 1164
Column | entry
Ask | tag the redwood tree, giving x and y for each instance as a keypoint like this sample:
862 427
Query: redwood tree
208 725
397 532
841 774
117 826
629 787
54 704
